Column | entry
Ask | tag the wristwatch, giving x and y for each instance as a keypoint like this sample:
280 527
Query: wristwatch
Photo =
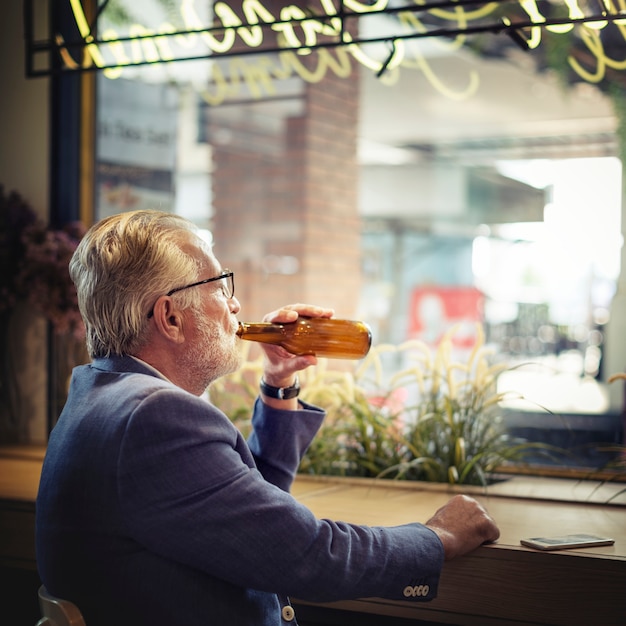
281 393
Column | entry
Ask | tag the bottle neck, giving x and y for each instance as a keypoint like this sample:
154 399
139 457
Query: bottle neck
260 331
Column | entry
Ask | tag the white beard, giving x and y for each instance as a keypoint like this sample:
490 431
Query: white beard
215 353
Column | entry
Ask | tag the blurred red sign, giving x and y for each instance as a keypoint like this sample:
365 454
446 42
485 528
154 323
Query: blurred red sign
434 310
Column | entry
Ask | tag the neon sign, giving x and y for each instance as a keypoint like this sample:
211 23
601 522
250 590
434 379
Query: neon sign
298 33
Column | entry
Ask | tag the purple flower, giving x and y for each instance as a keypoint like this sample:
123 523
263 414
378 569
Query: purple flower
36 259
15 217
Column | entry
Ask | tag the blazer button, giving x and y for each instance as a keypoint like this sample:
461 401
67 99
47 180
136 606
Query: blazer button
288 613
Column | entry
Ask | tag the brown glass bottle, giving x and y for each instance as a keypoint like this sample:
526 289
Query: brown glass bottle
330 338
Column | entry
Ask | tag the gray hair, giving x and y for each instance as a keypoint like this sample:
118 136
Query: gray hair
121 267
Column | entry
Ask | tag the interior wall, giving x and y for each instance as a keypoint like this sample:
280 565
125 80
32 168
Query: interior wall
24 124
24 157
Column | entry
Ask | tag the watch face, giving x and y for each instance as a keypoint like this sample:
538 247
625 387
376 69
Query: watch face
290 392
282 393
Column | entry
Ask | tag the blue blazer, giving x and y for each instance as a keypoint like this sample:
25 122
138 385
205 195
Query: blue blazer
153 510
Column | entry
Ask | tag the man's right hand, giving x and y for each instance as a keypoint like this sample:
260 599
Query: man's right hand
463 524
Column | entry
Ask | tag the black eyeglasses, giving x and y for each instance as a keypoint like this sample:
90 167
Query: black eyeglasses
227 285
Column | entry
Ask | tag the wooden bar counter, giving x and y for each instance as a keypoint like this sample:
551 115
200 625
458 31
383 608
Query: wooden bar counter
503 583
499 584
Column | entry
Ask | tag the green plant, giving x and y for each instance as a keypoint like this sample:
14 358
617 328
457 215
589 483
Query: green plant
454 431
436 419
361 434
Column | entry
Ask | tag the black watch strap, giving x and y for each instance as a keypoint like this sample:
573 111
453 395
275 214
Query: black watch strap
281 393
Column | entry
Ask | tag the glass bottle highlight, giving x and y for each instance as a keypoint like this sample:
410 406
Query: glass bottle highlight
323 337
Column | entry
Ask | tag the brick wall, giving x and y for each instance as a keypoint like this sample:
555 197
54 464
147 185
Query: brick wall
294 202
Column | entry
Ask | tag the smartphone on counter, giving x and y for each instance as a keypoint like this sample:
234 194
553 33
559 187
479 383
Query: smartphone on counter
566 542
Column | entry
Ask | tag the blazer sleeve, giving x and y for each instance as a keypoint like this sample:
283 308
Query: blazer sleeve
279 440
189 491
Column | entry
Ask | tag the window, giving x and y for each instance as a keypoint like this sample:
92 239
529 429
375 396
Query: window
456 178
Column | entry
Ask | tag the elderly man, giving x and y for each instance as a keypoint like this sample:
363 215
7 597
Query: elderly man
152 508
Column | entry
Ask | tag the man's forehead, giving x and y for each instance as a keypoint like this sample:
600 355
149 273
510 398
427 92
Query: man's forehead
206 248
199 249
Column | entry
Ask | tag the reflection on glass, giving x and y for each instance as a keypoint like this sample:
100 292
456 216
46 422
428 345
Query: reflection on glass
486 190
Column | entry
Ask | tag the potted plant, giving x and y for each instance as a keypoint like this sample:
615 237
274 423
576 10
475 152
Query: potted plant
35 278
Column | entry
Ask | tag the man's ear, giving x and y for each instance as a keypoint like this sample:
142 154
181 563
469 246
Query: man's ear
168 320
